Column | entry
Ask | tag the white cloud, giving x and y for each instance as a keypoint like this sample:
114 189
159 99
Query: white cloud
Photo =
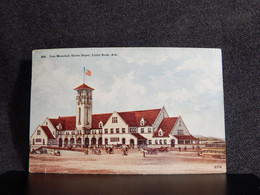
124 91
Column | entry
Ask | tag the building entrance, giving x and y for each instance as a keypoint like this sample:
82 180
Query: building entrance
132 143
172 143
93 141
60 142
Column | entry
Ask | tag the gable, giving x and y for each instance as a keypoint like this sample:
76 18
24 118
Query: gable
115 121
166 126
161 115
41 133
180 126
47 132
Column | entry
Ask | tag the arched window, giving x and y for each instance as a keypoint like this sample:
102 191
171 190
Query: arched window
160 132
100 124
142 122
79 116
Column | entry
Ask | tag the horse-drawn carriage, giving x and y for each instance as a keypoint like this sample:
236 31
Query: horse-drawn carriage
152 151
155 150
163 149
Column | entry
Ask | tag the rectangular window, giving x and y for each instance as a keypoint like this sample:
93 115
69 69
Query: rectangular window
160 141
133 130
165 141
180 132
114 139
123 130
180 142
142 130
106 131
187 141
149 130
150 142
111 130
38 132
179 123
38 140
156 141
114 119
117 130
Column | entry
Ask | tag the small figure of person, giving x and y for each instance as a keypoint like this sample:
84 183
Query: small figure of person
123 151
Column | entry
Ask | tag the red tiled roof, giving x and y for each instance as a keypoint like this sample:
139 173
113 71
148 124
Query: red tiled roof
67 122
190 137
166 125
96 118
132 118
47 132
138 136
83 86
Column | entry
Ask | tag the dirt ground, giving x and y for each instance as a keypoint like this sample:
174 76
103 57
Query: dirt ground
172 162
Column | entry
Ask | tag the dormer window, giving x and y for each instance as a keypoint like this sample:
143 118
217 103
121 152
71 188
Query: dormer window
160 132
100 124
59 126
142 122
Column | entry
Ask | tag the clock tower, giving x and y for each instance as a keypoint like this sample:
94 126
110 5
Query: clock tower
83 107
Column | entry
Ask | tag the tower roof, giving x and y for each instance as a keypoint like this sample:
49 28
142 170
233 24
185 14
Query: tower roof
83 86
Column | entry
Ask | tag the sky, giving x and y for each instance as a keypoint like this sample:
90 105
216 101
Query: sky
186 81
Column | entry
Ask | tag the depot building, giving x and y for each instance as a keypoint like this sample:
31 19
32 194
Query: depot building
151 128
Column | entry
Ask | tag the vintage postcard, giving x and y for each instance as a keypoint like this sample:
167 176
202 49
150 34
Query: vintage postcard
127 111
